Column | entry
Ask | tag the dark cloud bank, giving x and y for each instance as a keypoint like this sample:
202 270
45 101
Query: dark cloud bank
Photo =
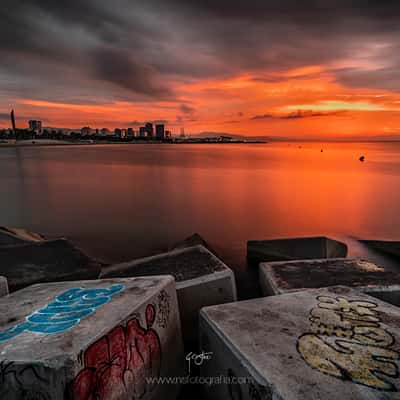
88 51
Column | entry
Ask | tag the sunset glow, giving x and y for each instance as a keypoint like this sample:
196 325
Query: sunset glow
256 77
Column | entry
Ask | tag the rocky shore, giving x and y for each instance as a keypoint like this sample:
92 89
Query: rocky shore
72 327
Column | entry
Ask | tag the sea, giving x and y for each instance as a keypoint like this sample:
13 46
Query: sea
122 201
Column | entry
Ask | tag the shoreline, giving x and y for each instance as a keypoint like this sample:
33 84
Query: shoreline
55 143
38 143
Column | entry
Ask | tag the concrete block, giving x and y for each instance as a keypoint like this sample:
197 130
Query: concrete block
333 343
193 240
14 236
102 340
390 248
294 249
290 276
201 280
47 261
3 286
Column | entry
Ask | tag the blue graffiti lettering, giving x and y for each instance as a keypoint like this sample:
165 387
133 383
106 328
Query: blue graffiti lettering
64 312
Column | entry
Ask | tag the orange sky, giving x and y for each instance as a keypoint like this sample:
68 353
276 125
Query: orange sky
303 102
256 68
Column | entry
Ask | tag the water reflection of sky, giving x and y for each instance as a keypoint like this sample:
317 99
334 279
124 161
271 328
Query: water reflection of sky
122 201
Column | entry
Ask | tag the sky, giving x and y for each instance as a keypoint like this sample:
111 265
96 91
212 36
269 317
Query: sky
310 68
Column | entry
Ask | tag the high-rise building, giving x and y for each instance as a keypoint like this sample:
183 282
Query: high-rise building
149 130
142 131
160 132
86 130
129 132
168 134
104 132
118 132
36 126
182 135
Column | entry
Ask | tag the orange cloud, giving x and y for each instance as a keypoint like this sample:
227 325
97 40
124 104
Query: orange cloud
294 103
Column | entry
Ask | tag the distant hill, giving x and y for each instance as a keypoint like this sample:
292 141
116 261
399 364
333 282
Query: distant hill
237 136
373 138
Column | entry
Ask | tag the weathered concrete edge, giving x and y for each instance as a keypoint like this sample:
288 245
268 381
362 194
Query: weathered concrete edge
369 290
267 280
312 260
22 235
266 272
259 253
269 288
129 264
3 286
211 277
241 357
235 351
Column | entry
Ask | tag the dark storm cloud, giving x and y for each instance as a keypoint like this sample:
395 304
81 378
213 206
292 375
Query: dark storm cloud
119 68
73 45
383 78
292 9
270 36
88 51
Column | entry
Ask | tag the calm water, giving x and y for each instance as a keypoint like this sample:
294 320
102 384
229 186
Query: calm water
122 201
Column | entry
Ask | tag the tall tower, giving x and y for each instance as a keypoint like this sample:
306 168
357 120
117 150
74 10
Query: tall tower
160 131
13 121
149 129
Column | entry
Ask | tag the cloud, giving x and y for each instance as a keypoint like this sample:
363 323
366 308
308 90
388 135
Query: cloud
18 117
117 67
262 116
89 51
387 78
260 9
308 114
136 123
297 115
187 109
142 123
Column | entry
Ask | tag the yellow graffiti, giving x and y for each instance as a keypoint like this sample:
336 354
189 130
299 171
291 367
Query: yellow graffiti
348 342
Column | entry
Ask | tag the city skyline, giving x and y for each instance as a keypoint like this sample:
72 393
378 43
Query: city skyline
318 70
149 130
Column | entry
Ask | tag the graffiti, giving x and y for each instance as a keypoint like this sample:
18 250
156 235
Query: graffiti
64 312
22 382
120 364
163 309
348 342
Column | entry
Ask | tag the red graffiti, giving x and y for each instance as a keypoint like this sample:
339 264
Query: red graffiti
118 364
